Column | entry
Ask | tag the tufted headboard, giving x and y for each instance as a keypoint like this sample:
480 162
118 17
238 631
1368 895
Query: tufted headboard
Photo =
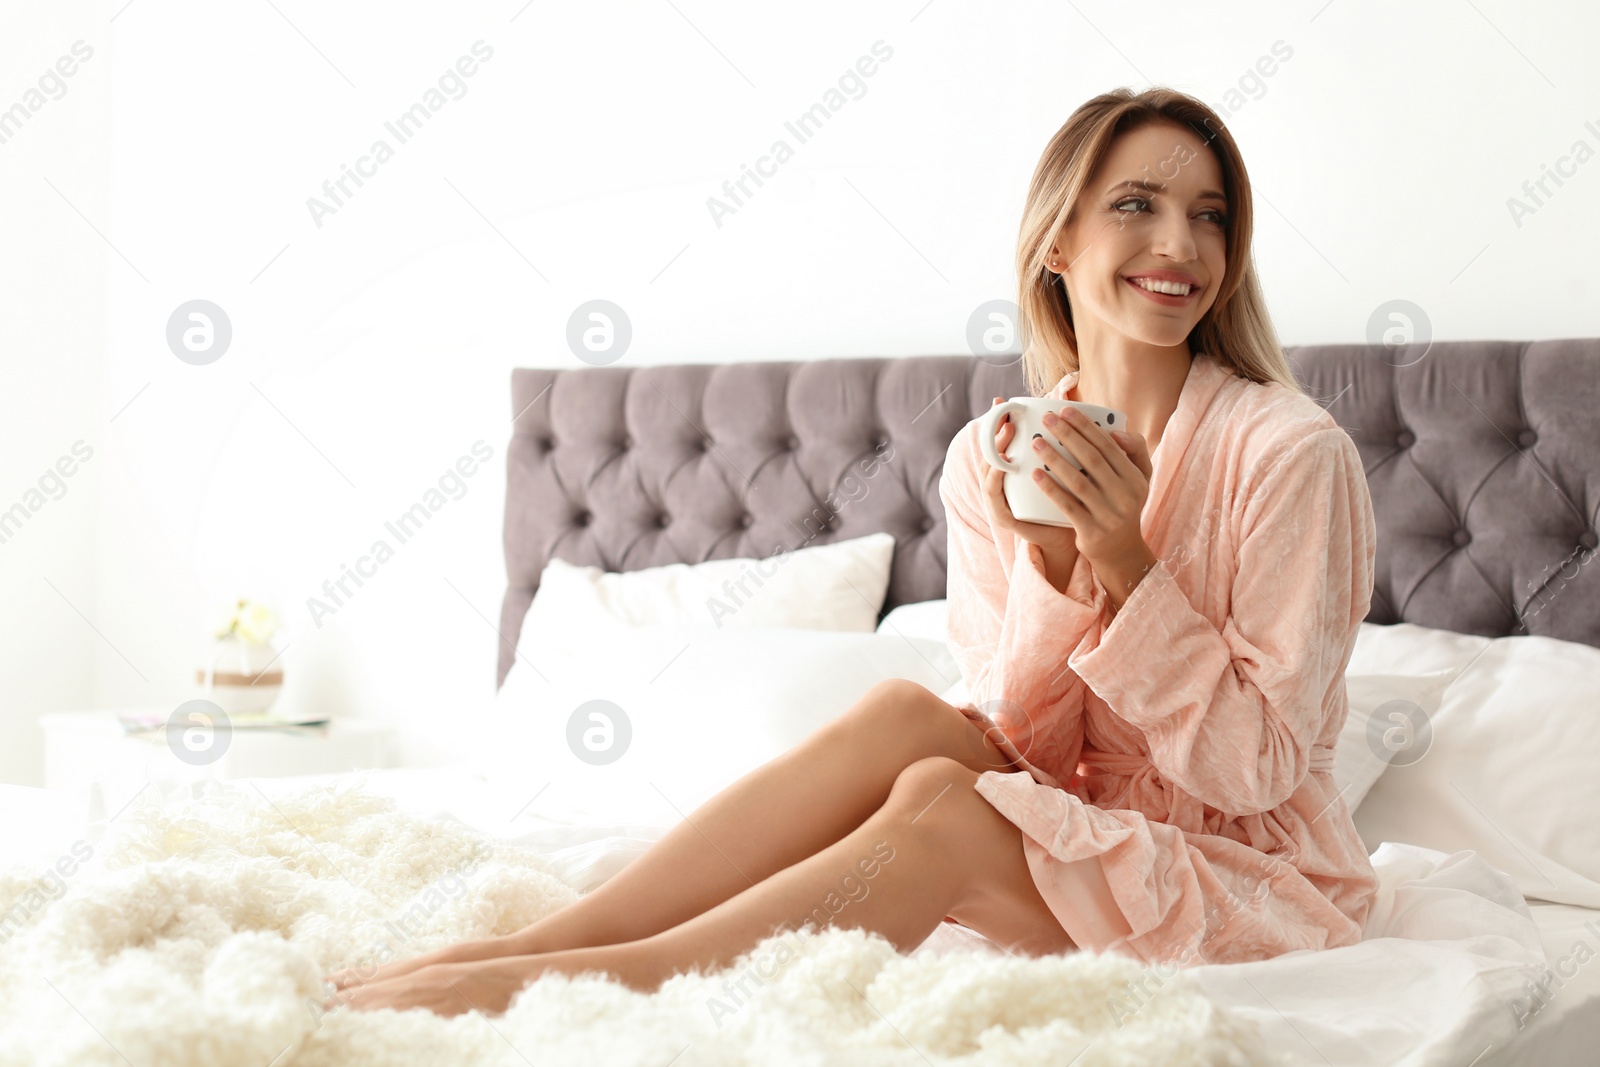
1483 459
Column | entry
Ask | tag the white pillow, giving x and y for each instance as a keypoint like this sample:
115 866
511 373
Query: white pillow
700 707
1511 769
1365 748
839 586
924 619
1406 648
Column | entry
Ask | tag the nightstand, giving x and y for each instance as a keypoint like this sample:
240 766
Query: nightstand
84 749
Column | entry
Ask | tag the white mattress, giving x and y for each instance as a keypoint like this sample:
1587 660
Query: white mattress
1439 984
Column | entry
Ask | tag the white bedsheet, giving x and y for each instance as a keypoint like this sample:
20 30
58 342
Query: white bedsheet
1451 957
1559 1008
1445 976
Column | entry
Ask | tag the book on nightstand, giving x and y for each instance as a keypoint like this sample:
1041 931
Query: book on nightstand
154 722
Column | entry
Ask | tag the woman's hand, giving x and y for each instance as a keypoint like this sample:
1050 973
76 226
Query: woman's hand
1104 500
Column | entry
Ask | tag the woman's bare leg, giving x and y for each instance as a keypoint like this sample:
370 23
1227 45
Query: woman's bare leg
935 847
788 809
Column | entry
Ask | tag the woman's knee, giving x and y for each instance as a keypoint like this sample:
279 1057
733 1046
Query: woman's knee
917 722
895 712
936 792
899 696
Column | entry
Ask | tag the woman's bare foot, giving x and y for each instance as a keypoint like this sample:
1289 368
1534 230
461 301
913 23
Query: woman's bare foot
466 952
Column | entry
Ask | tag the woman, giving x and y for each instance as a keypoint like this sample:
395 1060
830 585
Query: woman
1144 764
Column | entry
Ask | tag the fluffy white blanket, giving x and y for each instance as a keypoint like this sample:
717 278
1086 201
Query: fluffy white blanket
196 930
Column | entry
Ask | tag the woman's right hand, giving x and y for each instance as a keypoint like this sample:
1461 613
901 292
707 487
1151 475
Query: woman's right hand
1060 543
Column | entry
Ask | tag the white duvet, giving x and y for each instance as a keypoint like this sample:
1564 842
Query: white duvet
199 927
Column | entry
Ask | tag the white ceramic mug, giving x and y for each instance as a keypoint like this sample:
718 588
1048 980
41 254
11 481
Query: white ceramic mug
1027 500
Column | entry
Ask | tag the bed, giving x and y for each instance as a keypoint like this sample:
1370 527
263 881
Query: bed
1483 469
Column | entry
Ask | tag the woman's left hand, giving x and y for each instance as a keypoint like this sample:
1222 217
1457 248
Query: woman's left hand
1104 500
444 989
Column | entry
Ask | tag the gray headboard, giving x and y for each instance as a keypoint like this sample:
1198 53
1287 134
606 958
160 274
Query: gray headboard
1483 458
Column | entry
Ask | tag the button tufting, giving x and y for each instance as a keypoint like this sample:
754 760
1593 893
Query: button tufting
1461 538
662 520
1526 438
746 519
581 518
547 443
627 442
1589 539
883 443
926 524
794 444
1406 439
705 444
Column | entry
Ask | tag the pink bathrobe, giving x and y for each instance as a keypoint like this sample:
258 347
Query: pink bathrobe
1185 742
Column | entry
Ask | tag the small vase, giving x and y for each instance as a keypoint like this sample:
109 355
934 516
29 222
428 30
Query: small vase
241 678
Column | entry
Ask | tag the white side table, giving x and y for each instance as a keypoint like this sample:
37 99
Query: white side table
86 749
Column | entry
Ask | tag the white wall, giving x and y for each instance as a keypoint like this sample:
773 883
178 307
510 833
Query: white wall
53 311
372 351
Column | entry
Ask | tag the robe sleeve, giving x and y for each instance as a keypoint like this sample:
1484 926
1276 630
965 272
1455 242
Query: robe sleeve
1010 630
1231 714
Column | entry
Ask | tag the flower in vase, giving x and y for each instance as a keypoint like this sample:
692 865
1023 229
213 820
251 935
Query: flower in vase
249 621
240 672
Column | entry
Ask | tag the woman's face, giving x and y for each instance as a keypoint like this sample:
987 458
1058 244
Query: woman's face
1173 226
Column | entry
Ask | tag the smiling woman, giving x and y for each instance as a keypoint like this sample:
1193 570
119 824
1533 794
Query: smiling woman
1162 193
1170 661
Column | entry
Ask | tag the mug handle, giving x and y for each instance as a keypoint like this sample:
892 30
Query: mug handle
988 426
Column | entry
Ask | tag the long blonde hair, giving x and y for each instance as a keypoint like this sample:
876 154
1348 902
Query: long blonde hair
1236 330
